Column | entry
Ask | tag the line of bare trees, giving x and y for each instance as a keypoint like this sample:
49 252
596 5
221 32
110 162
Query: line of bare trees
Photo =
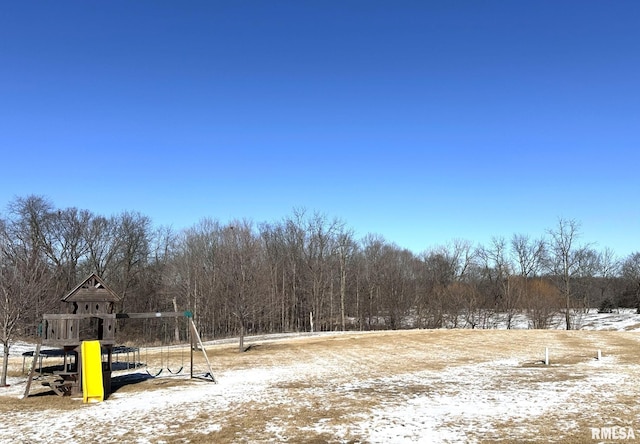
304 272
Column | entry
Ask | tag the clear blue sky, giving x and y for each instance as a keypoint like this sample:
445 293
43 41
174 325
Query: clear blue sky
421 121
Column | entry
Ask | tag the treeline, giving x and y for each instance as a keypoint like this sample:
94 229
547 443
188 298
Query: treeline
305 272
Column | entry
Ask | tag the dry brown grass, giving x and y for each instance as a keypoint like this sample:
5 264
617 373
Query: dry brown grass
351 376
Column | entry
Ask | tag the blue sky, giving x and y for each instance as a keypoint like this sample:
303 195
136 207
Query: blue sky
421 121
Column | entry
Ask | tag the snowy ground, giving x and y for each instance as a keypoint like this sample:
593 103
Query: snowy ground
425 386
621 320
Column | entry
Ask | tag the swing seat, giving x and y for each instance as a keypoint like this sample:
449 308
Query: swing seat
154 375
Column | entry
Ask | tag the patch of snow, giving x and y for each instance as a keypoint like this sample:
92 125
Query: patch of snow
462 403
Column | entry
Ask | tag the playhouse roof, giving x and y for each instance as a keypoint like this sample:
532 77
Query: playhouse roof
92 289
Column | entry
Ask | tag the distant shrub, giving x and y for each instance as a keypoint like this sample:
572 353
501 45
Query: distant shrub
606 306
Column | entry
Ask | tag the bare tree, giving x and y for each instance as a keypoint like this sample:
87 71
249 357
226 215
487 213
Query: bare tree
397 290
529 257
437 275
459 257
274 245
593 276
373 248
197 269
460 254
543 302
631 274
65 244
564 261
103 244
27 231
345 247
162 279
294 237
319 247
24 279
498 271
243 276
529 254
468 304
609 264
133 235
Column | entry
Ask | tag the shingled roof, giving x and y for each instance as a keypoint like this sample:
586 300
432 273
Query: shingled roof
92 289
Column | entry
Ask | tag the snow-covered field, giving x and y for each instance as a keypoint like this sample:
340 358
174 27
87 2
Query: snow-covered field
425 386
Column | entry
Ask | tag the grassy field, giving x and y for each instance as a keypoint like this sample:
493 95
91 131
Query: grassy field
401 386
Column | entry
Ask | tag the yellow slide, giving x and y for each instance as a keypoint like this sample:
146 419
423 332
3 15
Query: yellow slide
92 388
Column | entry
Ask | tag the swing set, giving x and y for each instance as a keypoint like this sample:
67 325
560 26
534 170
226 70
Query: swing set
165 351
165 357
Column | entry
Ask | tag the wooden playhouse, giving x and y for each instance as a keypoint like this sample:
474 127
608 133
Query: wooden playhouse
90 316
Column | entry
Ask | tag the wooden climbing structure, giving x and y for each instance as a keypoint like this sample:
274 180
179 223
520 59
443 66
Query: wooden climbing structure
90 317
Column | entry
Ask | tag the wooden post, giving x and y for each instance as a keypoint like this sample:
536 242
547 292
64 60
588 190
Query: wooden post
106 371
599 357
195 333
191 352
32 371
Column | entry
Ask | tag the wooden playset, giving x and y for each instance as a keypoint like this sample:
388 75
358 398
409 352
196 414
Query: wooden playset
86 335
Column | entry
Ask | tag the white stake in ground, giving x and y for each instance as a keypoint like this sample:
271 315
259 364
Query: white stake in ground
546 356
